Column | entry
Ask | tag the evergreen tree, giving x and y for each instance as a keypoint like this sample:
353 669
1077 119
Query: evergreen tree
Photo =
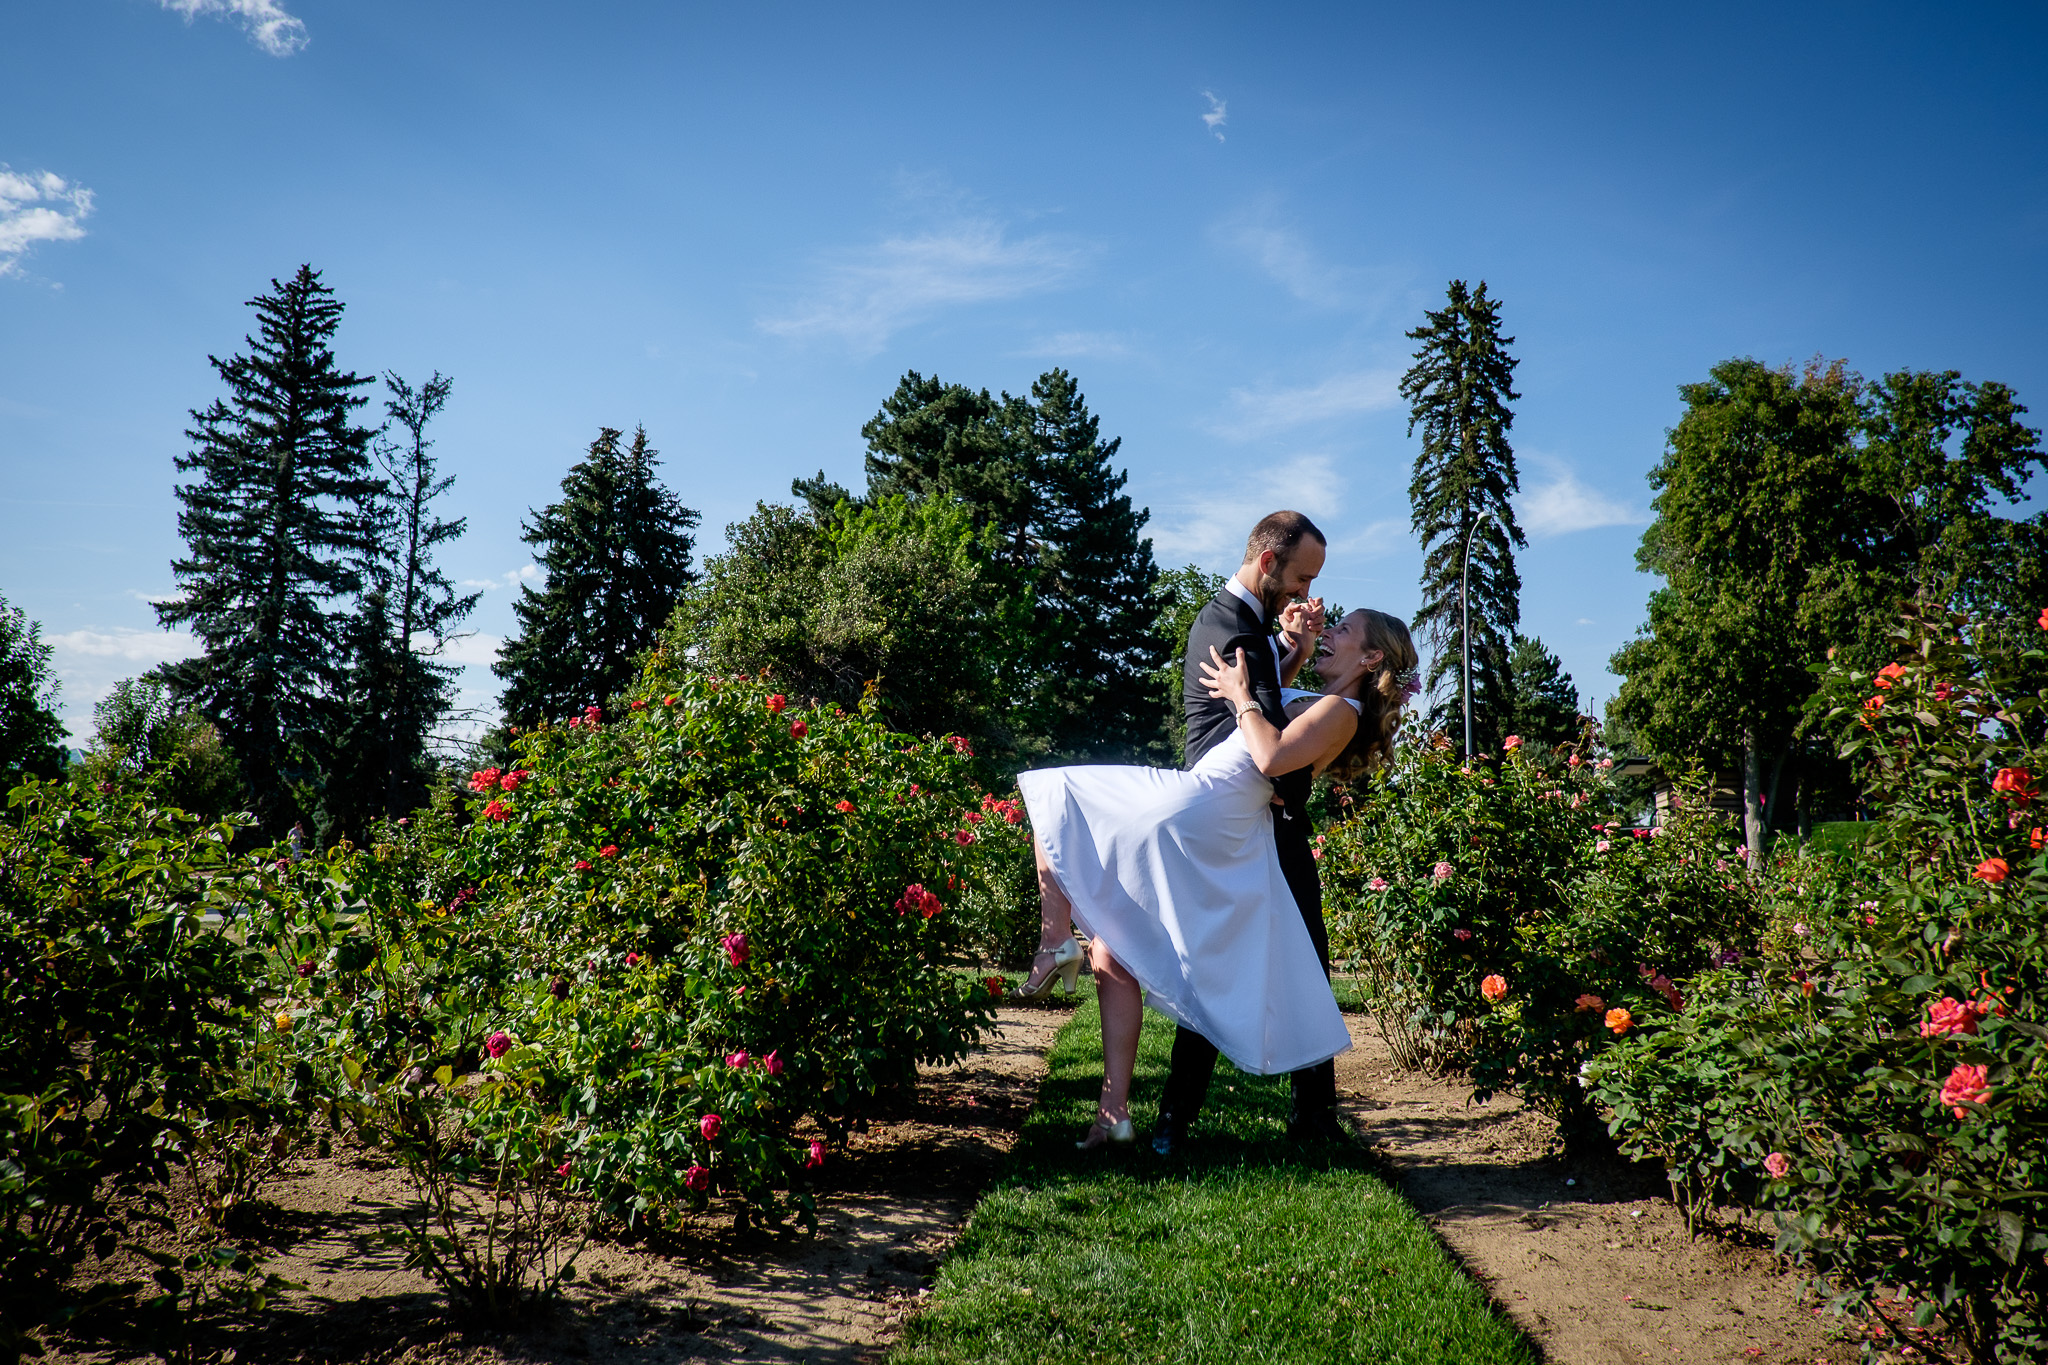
1545 708
278 528
31 736
616 550
1458 392
396 685
937 439
1097 646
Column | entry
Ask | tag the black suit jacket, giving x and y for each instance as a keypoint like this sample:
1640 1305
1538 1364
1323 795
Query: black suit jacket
1230 623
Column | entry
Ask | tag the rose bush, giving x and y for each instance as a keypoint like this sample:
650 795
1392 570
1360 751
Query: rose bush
1508 926
1874 1078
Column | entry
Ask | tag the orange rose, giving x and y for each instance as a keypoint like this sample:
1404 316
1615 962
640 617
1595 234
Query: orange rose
1620 1021
1494 988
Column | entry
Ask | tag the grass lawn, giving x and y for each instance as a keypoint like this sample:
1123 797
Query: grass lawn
1247 1249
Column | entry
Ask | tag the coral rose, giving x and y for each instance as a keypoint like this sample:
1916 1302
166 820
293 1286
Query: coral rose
1888 675
1948 1016
1592 1003
1494 987
1992 870
1511 742
1966 1085
844 807
1777 1165
497 810
1620 1020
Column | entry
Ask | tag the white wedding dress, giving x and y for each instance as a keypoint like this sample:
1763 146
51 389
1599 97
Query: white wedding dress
1176 872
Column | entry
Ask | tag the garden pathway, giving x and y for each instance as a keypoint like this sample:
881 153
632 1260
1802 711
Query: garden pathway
1598 1271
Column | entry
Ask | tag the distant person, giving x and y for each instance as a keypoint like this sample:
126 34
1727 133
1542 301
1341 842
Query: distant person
1198 887
298 837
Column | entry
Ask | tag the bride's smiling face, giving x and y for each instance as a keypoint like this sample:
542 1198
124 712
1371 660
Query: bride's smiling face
1344 648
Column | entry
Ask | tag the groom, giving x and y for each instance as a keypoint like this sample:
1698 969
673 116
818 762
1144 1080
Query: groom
1282 557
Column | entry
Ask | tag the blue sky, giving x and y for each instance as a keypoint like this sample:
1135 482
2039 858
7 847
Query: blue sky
739 226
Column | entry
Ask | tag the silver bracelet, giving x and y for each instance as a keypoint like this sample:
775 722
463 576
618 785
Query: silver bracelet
1248 706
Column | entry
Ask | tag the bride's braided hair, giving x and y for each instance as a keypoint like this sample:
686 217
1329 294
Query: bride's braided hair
1383 693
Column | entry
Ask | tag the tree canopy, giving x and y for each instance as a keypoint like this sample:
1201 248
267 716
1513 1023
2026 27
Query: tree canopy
31 736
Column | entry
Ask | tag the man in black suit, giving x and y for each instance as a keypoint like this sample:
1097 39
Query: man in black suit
1281 559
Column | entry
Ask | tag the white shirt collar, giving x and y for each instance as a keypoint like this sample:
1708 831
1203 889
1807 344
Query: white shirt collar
1244 594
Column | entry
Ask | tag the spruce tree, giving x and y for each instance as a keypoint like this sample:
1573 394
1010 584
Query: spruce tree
31 736
417 604
1095 621
616 550
1458 391
1545 705
278 527
937 439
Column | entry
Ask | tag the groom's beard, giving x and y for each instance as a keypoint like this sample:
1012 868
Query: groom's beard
1272 596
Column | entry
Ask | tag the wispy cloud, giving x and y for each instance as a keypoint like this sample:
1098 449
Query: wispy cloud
89 662
504 582
38 207
1255 413
866 295
1209 525
1216 117
1081 346
1564 504
269 27
472 647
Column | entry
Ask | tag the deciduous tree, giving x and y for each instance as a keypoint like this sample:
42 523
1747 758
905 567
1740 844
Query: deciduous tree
31 736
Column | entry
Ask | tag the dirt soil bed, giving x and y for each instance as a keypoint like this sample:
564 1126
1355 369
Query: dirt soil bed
1594 1264
889 1203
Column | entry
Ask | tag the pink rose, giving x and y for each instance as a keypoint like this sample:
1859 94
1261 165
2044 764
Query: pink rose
709 1126
737 1060
1462 935
963 837
1511 742
772 1063
1777 1165
1966 1085
735 946
1572 762
817 1156
564 1169
1378 884
1602 846
1442 872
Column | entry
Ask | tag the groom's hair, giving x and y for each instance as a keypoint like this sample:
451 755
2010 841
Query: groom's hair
1280 532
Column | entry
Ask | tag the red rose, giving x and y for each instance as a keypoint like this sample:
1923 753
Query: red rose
963 837
498 1044
776 703
799 729
709 1126
772 1063
844 807
583 864
608 851
484 780
497 810
697 1178
1993 870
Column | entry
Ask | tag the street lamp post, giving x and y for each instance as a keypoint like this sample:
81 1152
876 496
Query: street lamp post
1465 626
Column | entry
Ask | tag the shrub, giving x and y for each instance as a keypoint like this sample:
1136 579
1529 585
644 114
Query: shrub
1879 1067
1502 919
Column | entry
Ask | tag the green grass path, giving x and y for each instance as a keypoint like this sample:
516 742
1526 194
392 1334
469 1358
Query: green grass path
1248 1249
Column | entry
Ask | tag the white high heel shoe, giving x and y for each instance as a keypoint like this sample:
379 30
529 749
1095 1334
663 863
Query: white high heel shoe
1117 1134
1066 966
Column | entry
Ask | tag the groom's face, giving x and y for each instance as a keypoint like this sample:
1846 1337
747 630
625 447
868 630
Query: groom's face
1281 580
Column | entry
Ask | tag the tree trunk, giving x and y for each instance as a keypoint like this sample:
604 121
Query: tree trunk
1753 798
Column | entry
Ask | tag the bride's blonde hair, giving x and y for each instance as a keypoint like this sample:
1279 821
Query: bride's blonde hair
1382 694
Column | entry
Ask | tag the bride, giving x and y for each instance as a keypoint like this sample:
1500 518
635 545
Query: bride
1173 874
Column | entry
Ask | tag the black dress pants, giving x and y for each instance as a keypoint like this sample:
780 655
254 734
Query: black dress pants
1194 1057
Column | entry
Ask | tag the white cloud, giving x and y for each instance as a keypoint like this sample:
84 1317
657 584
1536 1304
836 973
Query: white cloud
89 662
1210 528
1564 505
1256 413
511 578
469 648
866 295
270 28
1286 256
38 207
1082 346
1217 115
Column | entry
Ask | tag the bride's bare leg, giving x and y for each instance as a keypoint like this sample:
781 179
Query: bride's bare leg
1123 1015
1055 911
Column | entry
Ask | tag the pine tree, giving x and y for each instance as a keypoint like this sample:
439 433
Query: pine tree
418 604
1098 645
31 736
1545 708
933 438
1458 391
278 528
616 550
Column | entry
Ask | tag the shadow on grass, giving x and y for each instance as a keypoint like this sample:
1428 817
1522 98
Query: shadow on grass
1245 1247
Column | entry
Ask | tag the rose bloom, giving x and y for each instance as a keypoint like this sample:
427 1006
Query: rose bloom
843 806
564 1169
1590 1003
2043 622
995 986
583 864
776 703
1511 742
483 780
799 729
510 781
498 1044
1888 675
817 1156
1494 988
772 1063
972 817
1605 764
1966 1085
1377 884
738 1059
1993 870
1777 1165
1602 846
709 1126
1462 935
1441 872
697 1178
963 837
497 810
1950 1016
1572 762
2017 783
1619 1020
735 946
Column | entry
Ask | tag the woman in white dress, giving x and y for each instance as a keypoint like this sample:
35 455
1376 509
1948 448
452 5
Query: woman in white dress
1174 877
